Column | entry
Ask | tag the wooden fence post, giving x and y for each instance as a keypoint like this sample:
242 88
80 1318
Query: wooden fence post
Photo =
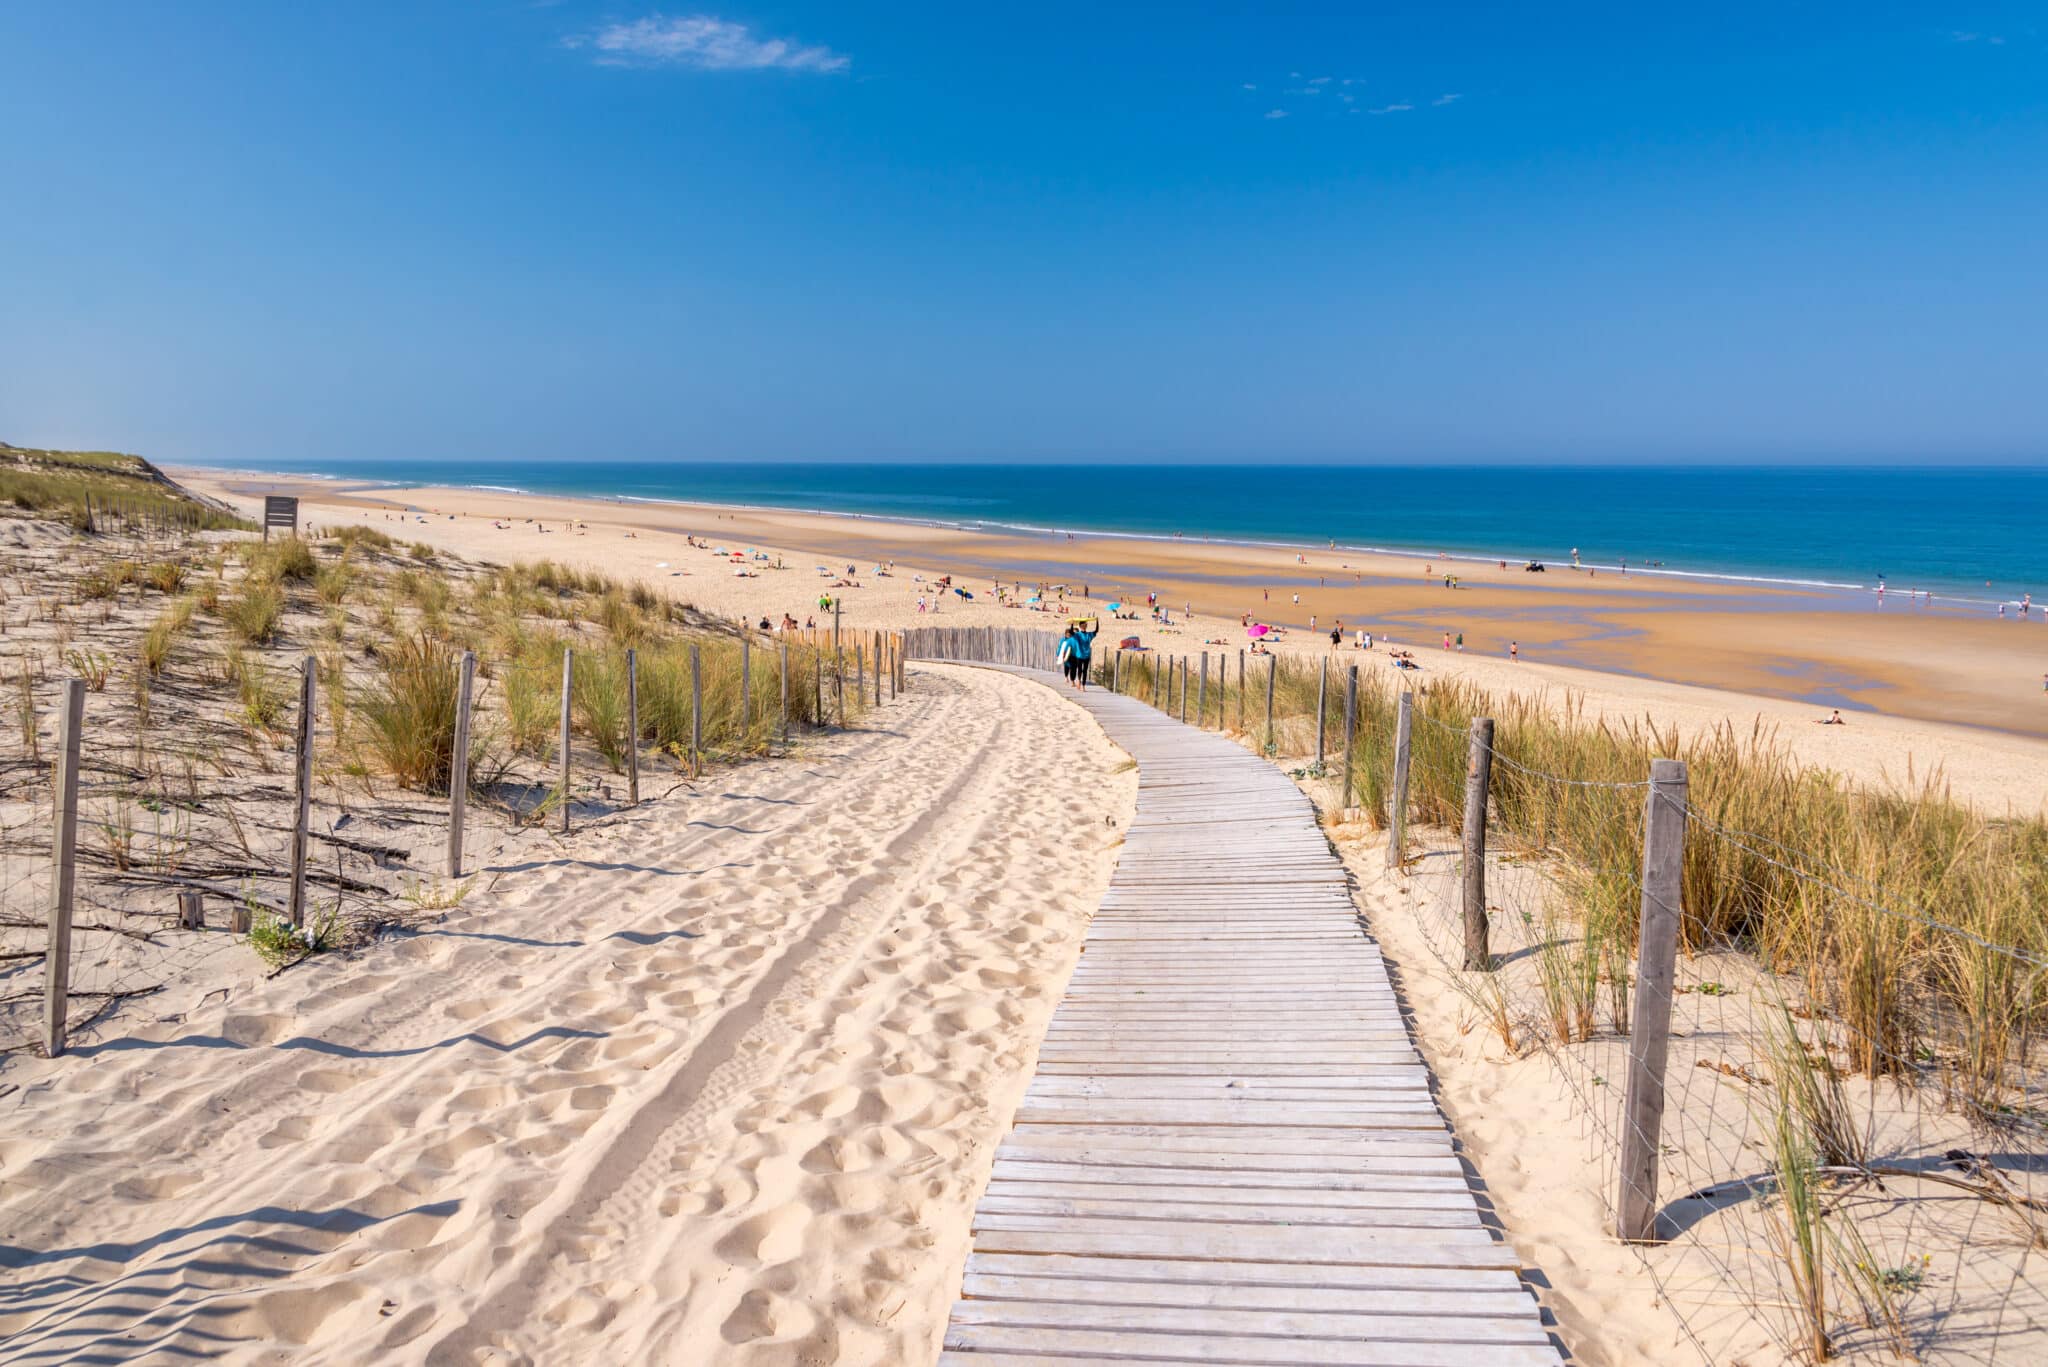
782 668
1202 695
632 727
1272 674
458 763
1116 672
1350 730
696 711
746 683
1478 778
568 677
1240 692
1664 816
1183 690
302 808
1397 814
1322 708
63 868
878 669
838 665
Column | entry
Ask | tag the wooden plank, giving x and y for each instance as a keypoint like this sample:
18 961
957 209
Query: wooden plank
1509 1303
1107 1235
992 1345
1100 1170
1189 1321
1240 1274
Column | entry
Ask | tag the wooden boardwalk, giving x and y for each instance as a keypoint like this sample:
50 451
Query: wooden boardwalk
1229 1152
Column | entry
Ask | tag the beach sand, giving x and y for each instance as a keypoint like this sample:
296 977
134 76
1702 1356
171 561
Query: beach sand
1924 691
712 1081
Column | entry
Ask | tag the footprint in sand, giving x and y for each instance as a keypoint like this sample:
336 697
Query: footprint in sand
774 1236
252 1031
764 1317
289 1130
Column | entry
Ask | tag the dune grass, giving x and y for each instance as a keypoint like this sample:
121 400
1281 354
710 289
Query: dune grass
1907 918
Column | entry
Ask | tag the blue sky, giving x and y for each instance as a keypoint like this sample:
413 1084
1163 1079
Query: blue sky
266 232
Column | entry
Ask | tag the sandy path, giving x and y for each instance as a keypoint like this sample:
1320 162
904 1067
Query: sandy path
712 1089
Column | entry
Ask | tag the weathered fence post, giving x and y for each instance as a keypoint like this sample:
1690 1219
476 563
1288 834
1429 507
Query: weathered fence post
1397 814
696 711
302 806
1202 695
191 909
878 669
817 685
1240 691
1322 707
63 868
1664 814
568 678
1272 674
458 763
1350 730
1184 690
782 668
838 665
746 683
1116 672
633 727
1478 778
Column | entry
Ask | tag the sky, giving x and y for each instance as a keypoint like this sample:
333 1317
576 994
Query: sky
261 233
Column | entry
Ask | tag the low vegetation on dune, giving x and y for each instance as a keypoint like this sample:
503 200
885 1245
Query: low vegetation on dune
193 645
1898 914
88 487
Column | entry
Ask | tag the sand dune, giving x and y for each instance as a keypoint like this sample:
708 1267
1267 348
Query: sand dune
718 1081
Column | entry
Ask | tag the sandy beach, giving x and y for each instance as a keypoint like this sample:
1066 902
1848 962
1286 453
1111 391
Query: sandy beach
792 1025
1925 692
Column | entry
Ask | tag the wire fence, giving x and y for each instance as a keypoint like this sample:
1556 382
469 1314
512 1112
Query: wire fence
188 777
1851 1123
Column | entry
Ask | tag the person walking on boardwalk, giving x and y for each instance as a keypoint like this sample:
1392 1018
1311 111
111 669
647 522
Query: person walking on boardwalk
1071 663
1084 651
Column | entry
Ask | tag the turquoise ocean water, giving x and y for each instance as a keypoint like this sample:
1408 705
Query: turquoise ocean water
1972 535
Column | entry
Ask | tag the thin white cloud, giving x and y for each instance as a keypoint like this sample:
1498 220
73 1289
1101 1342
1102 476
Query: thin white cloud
1276 113
1320 80
1446 99
1392 109
1249 86
705 42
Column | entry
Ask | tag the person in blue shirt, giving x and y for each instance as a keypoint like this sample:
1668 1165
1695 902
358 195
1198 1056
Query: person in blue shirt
1076 649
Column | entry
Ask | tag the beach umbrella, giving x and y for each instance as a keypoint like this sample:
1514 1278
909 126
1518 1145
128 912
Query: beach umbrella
1116 607
1257 630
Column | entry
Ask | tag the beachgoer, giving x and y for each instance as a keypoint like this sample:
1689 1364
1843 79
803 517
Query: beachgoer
1514 650
1069 657
1084 650
1447 640
1461 640
1834 718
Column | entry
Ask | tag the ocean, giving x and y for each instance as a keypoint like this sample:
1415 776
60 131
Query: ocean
1970 534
